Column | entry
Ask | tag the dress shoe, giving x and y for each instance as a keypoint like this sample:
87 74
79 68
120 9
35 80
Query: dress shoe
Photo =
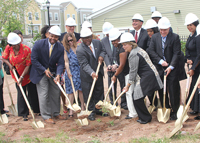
61 117
51 121
101 113
173 117
197 118
128 117
4 111
91 117
193 113
25 118
142 122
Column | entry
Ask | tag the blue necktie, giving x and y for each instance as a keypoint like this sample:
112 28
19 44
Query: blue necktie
163 46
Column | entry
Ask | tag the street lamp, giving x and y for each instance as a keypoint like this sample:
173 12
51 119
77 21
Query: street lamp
32 27
48 5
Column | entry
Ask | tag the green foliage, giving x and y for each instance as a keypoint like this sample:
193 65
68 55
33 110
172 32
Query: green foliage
183 46
111 123
98 120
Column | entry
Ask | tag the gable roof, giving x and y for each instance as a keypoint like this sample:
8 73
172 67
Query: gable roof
65 4
108 8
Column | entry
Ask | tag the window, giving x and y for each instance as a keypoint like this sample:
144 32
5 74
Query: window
56 16
73 16
50 16
29 16
68 15
36 29
36 16
84 17
29 30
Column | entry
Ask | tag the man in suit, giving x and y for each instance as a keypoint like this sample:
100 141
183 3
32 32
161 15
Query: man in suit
70 25
89 54
164 50
48 59
140 34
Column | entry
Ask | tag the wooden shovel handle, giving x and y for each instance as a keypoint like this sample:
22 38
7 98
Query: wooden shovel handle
154 98
164 88
119 97
186 89
75 95
108 91
24 95
92 87
113 93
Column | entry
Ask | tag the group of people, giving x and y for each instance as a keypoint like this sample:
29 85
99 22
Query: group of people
139 60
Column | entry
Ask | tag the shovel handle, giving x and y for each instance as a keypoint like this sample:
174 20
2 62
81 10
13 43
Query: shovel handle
113 93
154 98
108 91
186 89
92 87
24 95
119 97
164 88
75 95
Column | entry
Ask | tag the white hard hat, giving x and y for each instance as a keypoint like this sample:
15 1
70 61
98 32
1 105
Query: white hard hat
13 38
156 14
127 37
107 26
86 24
138 17
70 22
198 29
190 18
150 24
114 34
164 23
55 30
85 32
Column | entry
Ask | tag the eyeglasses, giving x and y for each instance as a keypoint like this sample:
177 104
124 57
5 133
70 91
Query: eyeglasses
70 40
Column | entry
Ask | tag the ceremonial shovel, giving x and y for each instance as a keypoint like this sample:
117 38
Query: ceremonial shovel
152 107
3 118
198 125
39 124
180 120
163 114
86 113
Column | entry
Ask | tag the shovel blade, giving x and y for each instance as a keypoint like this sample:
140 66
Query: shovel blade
40 124
151 109
4 119
118 112
180 111
70 107
175 130
34 125
163 115
99 105
197 127
82 122
83 114
13 110
76 108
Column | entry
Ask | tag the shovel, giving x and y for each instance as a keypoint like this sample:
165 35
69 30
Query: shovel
182 107
115 110
12 108
3 118
163 114
86 113
198 125
180 120
152 107
101 104
39 124
113 93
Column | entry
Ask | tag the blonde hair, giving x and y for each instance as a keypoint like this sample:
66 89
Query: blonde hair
66 43
134 45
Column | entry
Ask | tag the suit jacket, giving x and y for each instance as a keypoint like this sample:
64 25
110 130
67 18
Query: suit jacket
41 61
142 39
88 63
110 55
172 51
77 35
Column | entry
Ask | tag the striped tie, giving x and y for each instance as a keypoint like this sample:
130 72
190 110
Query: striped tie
50 50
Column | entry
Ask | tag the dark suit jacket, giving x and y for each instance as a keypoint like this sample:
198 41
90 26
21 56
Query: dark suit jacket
110 55
41 61
88 63
142 39
172 51
77 35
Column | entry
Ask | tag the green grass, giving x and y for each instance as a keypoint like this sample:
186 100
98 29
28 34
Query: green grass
111 123
98 120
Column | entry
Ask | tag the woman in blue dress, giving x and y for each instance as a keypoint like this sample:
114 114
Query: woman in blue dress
72 69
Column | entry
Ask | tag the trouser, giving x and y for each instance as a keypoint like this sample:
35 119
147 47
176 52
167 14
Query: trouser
121 79
21 104
1 96
33 96
98 92
141 109
49 98
129 99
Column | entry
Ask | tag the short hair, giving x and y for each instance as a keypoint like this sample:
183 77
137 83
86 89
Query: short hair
66 43
196 23
17 32
155 30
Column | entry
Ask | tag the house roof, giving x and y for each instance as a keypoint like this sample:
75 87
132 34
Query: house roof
65 4
108 8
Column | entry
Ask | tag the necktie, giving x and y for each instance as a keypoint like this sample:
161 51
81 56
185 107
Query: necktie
136 37
163 46
50 50
111 46
91 49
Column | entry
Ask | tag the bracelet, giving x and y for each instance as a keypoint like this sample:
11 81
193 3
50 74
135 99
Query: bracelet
21 77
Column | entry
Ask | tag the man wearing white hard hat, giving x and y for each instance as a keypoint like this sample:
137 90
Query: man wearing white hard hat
70 25
192 56
48 59
140 34
156 16
89 54
165 50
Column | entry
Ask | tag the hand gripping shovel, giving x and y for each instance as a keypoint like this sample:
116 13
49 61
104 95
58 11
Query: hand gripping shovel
101 104
3 118
116 110
86 113
12 108
180 120
39 124
163 114
182 107
152 107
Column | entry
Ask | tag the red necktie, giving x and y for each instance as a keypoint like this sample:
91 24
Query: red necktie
136 37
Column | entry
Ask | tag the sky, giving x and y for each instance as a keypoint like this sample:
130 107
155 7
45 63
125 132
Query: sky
95 4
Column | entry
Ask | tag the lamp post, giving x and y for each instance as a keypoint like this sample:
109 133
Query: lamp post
32 27
48 5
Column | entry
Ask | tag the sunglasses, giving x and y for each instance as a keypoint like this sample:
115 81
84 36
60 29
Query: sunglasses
70 40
